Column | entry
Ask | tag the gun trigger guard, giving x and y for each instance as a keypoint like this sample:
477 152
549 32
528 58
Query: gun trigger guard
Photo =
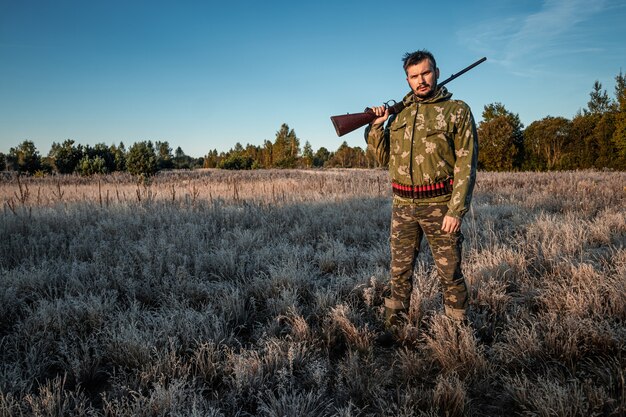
387 105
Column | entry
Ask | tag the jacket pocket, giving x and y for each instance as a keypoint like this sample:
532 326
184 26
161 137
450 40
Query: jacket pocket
437 134
396 137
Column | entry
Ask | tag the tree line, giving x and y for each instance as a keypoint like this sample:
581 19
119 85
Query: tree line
146 158
594 138
285 152
142 158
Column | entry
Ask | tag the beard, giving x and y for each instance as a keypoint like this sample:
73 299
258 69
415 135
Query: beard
420 92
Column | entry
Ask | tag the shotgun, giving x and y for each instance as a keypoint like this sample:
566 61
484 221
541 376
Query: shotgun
346 123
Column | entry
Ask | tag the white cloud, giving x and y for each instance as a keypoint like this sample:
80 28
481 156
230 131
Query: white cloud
515 40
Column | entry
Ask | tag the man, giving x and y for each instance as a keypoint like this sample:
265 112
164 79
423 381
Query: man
431 147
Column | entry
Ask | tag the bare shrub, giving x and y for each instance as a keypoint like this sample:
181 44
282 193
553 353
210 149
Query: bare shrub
609 373
520 344
54 400
454 346
300 329
171 398
333 256
584 290
129 349
325 299
359 378
492 294
570 339
449 395
545 396
341 319
206 363
244 372
410 401
10 405
373 292
286 403
411 365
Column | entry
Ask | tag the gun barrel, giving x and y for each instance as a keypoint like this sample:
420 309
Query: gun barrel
463 71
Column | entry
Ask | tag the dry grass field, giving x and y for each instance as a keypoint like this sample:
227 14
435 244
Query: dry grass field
258 293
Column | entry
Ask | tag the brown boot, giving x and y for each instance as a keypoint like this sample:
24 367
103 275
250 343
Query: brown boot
456 314
393 318
395 311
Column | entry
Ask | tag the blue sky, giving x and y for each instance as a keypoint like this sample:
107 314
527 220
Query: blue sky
204 75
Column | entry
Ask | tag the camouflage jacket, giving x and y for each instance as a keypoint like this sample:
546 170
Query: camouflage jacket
430 141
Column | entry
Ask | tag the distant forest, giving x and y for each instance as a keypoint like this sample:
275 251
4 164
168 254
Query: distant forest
593 138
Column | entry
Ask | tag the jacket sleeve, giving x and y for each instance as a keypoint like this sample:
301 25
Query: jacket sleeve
377 138
466 150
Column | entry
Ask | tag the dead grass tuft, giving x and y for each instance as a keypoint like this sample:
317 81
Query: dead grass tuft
341 319
455 348
449 395
543 396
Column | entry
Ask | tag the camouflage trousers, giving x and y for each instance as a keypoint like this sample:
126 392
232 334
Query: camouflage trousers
409 223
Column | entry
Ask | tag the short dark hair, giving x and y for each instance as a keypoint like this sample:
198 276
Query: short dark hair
413 58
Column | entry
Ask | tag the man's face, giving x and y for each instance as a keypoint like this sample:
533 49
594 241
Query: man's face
422 78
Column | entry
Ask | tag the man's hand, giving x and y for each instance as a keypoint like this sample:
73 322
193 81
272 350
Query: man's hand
383 114
451 224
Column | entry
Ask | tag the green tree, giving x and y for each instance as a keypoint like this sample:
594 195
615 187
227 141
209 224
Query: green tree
321 156
142 159
496 110
620 92
196 162
619 135
91 165
286 148
183 161
347 157
340 158
102 151
66 156
268 154
3 162
498 150
582 150
25 157
594 139
307 155
238 149
256 154
603 139
599 101
211 159
119 156
164 155
546 142
236 161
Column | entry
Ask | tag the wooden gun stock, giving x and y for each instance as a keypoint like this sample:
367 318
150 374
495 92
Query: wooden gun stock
346 123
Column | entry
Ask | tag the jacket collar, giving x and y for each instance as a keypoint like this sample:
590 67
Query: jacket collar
441 94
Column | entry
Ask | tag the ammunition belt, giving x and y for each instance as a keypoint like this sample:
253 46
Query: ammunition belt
423 191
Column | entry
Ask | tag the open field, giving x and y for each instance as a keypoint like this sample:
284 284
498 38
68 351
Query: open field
215 293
